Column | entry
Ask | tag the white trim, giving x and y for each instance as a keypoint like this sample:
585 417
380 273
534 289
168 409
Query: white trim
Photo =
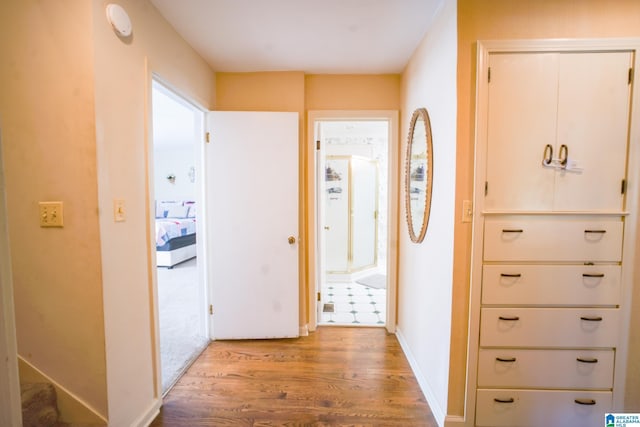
304 330
201 246
630 212
10 405
392 117
438 412
453 421
149 415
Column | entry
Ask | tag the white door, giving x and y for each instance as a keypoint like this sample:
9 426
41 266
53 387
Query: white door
252 218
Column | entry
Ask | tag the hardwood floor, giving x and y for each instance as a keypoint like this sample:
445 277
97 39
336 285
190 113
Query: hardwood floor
336 376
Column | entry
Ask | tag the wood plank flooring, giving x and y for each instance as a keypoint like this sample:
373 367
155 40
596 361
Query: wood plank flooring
334 377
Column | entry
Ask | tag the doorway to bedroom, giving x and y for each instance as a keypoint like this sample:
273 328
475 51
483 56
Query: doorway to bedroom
177 192
352 211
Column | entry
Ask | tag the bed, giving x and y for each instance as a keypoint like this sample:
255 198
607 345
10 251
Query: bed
175 232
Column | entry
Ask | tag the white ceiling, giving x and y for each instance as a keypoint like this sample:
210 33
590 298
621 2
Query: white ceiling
326 36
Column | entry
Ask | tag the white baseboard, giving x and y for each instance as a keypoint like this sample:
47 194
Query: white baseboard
454 421
149 415
304 330
438 413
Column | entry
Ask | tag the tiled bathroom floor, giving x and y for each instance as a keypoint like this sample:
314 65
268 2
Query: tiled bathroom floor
353 304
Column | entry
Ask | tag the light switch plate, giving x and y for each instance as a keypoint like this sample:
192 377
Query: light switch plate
51 214
467 211
119 210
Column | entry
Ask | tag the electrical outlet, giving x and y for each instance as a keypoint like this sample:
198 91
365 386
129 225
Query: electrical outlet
51 214
467 211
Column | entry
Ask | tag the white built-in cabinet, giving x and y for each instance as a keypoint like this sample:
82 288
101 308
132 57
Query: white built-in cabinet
552 159
570 108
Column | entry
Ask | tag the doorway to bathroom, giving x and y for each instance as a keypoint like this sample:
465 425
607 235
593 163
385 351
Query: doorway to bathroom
352 212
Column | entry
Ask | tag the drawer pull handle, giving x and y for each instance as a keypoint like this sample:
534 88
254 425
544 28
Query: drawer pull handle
506 359
512 230
585 401
509 400
510 275
591 318
592 274
595 231
564 155
587 360
547 155
512 318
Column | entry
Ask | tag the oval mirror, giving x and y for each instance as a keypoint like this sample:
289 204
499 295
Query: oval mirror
418 175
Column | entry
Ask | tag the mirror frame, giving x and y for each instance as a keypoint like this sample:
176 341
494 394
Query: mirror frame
424 115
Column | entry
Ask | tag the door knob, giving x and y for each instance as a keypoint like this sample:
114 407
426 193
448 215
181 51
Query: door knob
326 227
291 240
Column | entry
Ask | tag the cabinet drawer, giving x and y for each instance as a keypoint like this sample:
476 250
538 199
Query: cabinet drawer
559 369
560 239
536 408
549 327
551 284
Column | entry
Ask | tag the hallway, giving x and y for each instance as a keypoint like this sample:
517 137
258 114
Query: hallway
335 376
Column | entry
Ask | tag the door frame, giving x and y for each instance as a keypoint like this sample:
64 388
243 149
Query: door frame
313 238
10 384
201 248
632 217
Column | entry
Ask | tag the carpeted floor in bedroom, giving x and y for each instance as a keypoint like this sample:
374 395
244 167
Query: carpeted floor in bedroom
182 317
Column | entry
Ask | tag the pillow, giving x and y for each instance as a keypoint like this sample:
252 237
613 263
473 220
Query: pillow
191 213
163 207
177 211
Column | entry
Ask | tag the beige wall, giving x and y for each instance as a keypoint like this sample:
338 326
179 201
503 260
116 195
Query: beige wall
507 19
352 92
48 134
295 91
122 96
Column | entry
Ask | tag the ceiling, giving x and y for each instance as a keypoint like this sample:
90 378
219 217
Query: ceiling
320 37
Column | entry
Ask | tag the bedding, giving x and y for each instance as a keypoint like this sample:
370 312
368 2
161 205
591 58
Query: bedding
170 228
175 236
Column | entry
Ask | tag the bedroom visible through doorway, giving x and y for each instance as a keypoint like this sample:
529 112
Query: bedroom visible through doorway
352 210
182 301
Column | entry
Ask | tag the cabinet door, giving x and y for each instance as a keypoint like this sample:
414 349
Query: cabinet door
576 103
522 111
593 115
